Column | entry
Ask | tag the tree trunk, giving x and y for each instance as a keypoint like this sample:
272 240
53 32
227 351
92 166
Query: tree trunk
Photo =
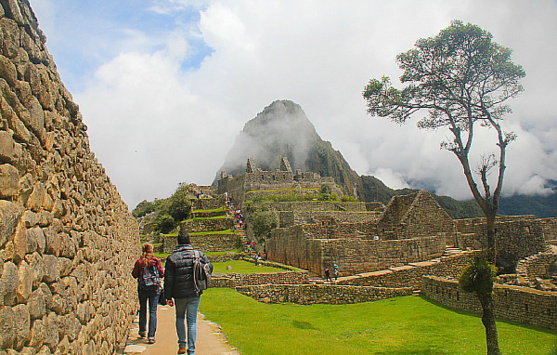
488 320
486 298
491 231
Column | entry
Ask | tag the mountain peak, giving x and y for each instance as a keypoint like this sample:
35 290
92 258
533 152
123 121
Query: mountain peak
282 129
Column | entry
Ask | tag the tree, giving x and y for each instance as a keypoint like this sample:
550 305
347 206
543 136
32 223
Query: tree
462 79
179 205
143 208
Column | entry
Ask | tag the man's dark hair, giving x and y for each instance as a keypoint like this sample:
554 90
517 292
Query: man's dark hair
183 237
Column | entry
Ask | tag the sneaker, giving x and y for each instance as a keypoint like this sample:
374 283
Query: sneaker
151 341
181 350
142 334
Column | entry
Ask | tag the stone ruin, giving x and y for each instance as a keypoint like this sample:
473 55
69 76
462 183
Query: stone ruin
67 240
384 251
255 179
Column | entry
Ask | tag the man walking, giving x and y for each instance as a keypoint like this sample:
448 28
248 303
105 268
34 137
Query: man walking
179 290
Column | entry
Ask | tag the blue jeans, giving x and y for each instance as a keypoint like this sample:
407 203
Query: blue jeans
186 309
152 297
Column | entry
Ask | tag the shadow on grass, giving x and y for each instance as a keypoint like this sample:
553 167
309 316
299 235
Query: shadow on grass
303 325
499 320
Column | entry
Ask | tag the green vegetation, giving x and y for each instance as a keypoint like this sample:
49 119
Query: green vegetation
224 231
404 325
217 253
243 267
210 211
168 211
161 256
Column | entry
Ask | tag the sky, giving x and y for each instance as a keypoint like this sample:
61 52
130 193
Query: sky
165 86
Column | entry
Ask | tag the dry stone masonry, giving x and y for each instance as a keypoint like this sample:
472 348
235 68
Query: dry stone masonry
515 303
67 240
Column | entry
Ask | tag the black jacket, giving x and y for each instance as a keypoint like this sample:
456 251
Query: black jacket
178 275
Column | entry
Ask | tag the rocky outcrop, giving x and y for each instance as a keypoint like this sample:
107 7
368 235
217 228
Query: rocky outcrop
67 240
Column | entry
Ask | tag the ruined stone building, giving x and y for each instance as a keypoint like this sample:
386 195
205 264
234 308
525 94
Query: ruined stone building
364 237
412 228
255 179
67 240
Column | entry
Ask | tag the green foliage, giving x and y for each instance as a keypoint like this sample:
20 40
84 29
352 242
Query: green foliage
460 76
403 325
143 208
224 231
262 222
164 223
478 276
177 207
347 198
243 267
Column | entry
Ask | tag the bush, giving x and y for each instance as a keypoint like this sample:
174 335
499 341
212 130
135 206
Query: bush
165 223
478 276
143 208
263 222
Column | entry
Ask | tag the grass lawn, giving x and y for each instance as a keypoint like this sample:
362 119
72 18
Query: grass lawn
243 267
404 325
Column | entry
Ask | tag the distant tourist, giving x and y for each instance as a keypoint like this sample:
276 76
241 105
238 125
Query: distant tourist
179 290
335 272
327 274
148 271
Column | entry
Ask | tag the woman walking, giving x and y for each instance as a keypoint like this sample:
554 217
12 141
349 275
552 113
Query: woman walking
148 271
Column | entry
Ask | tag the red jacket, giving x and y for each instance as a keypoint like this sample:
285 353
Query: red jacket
154 261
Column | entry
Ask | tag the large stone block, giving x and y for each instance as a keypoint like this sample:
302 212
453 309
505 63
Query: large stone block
9 181
22 325
8 284
26 278
39 302
7 327
8 70
9 217
44 332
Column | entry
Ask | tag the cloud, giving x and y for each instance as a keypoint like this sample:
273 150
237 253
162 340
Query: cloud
145 95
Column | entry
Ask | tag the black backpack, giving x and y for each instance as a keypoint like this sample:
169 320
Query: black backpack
149 279
201 273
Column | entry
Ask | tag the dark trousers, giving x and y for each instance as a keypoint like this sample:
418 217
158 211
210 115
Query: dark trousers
148 299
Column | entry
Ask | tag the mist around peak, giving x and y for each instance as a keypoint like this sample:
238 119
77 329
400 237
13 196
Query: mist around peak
282 129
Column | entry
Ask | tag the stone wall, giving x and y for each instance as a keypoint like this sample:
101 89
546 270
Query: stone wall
234 280
356 255
67 240
549 227
517 236
207 203
204 225
291 247
206 242
514 303
323 217
537 265
411 275
323 206
320 294
316 247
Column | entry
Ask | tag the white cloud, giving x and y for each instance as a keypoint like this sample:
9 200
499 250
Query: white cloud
320 54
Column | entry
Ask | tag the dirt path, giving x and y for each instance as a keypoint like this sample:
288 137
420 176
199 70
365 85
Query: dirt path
210 341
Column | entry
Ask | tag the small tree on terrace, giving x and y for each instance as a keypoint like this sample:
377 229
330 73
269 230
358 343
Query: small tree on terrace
462 79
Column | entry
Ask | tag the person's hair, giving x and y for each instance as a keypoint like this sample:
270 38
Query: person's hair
147 255
183 237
